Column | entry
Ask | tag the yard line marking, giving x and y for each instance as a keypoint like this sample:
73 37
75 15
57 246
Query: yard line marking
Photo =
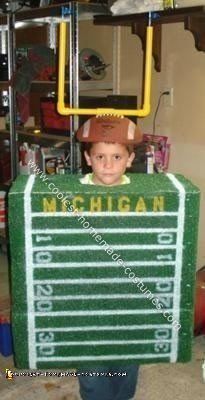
110 357
105 214
82 281
29 271
104 328
99 312
103 230
103 342
103 264
179 263
100 296
98 247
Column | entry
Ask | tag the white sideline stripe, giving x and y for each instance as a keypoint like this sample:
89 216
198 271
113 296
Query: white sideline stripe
103 342
106 214
98 247
103 230
101 296
104 328
110 357
100 312
82 281
29 271
179 262
103 264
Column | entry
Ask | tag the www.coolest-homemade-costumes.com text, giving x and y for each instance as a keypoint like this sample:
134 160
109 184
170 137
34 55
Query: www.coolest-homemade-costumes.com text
105 283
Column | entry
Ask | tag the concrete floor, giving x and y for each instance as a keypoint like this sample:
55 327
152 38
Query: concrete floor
167 381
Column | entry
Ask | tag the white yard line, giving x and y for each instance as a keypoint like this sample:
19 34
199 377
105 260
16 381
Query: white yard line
179 263
29 271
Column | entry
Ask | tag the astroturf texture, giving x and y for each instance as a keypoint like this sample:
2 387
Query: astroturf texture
112 282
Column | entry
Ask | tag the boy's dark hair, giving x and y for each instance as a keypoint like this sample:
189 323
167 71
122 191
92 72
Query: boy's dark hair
87 147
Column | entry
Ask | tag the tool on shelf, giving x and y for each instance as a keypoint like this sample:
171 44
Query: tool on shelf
91 65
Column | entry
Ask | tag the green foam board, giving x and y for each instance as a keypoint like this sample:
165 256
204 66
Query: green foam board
111 282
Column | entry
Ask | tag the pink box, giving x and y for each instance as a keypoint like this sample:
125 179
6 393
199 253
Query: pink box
2 209
161 149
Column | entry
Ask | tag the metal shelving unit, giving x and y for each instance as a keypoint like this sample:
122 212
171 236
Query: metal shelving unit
71 12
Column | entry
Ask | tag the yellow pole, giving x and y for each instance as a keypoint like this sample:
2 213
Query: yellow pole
62 109
148 72
61 69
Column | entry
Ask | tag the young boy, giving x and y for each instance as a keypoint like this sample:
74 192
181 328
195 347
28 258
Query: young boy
108 149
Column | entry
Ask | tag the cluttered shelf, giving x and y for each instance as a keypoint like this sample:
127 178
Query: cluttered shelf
39 86
192 17
159 17
83 85
2 235
85 9
35 133
4 85
5 185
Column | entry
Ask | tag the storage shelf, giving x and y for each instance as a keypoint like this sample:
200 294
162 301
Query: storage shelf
4 85
71 12
4 134
38 86
41 86
192 17
159 17
5 186
2 234
45 14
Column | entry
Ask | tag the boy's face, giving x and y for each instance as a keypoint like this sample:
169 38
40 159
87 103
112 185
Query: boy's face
108 162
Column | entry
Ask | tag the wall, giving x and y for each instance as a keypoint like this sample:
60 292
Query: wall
182 69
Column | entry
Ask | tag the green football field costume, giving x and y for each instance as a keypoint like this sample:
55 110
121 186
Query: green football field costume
102 274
